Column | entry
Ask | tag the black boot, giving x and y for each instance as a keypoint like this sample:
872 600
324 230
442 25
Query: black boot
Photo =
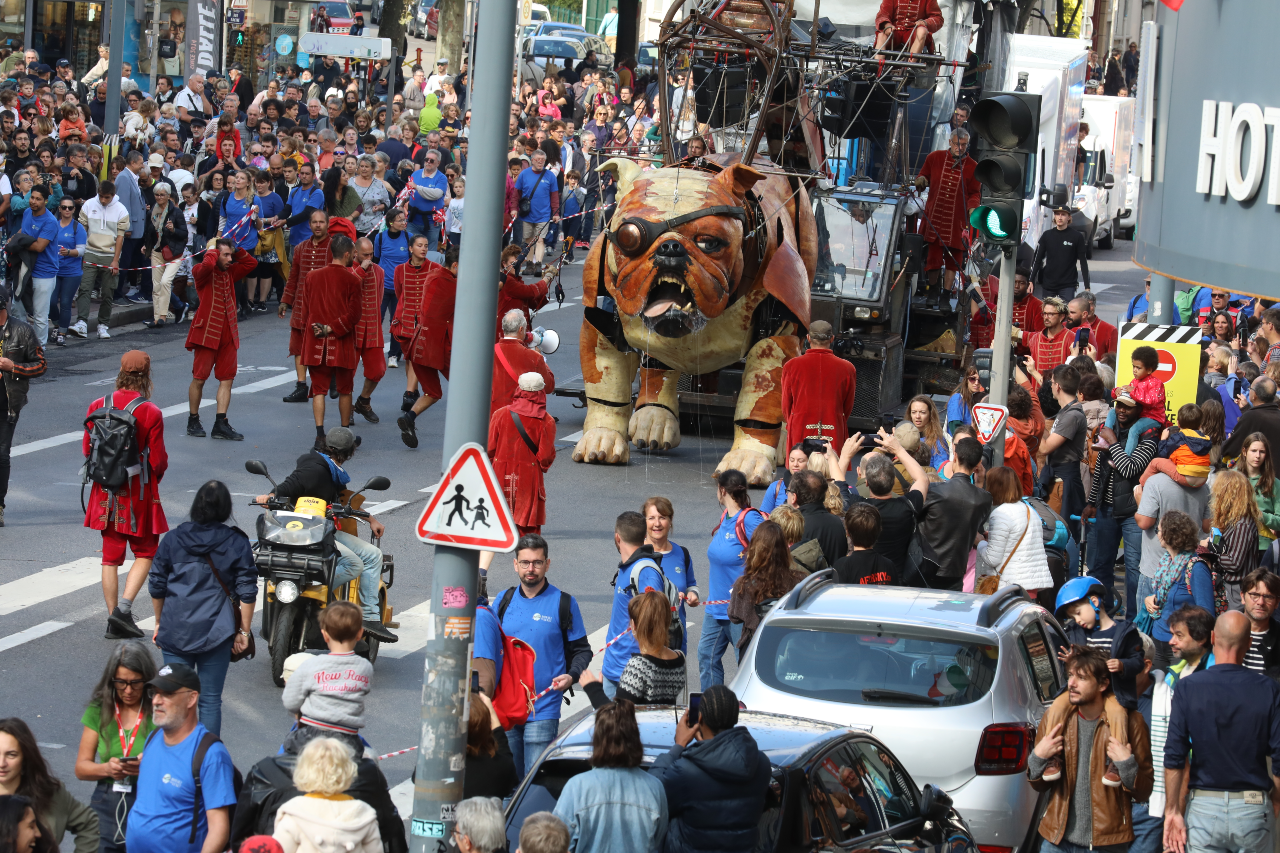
298 394
407 401
408 430
376 629
194 428
333 391
121 626
222 429
365 409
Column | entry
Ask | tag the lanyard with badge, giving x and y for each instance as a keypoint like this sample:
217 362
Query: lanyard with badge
125 786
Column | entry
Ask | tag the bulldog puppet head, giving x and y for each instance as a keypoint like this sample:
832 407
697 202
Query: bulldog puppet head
675 245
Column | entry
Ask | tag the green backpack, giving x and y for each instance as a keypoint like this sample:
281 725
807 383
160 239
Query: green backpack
1184 299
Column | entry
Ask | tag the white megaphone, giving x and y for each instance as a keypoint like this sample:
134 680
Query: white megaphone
545 341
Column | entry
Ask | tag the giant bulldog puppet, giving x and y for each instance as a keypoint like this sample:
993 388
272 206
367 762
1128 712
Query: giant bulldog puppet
701 265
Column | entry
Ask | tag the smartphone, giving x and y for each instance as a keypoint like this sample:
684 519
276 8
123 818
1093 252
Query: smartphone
1217 536
886 422
695 708
814 445
475 683
1083 338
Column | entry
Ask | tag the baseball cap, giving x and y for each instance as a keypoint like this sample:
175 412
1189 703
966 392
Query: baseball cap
155 161
135 361
820 330
1062 208
64 63
340 438
44 69
172 677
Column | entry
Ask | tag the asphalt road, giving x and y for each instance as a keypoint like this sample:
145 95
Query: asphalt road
52 615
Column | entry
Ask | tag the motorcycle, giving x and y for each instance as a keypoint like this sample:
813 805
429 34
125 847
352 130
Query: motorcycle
296 557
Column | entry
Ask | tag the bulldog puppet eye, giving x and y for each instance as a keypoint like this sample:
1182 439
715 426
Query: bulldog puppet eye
630 238
710 244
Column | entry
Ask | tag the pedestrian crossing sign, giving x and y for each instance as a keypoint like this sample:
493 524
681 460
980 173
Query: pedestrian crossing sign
467 509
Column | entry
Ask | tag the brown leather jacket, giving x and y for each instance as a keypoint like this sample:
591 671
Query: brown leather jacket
1112 817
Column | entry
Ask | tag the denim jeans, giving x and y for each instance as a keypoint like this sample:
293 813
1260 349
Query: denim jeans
589 205
41 295
112 809
610 687
356 557
211 665
1148 830
1108 531
717 634
424 222
1216 825
1068 847
528 741
63 298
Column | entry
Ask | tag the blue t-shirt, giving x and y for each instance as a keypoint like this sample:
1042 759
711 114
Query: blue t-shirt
774 496
299 200
939 454
44 226
270 205
160 821
391 252
70 236
726 559
679 571
539 198
958 411
439 181
240 225
488 641
646 573
537 622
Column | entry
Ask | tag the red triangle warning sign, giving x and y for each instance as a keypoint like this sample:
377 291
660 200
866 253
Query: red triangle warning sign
467 509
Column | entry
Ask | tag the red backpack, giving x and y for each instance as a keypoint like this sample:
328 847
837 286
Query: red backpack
513 699
740 526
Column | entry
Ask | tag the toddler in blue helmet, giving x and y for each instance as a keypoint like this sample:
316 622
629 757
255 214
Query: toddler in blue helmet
1086 623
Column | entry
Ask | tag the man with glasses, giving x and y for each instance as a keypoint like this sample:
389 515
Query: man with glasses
1050 346
430 194
548 620
161 818
1261 591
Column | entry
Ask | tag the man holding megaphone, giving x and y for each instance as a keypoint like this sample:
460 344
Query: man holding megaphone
512 357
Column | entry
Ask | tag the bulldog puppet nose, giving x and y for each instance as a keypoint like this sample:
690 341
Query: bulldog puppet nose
670 254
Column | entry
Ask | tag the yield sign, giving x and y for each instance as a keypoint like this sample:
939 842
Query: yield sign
467 509
989 420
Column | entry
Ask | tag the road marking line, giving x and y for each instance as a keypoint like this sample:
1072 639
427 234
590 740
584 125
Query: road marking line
402 797
32 633
264 384
50 583
414 632
385 506
572 438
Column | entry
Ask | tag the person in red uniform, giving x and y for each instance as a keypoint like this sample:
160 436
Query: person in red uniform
330 315
817 391
522 446
426 334
409 280
131 516
901 20
953 195
214 338
309 256
369 330
1026 310
512 359
1081 314
1051 346
514 293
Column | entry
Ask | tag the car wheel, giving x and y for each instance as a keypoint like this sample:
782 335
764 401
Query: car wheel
1108 242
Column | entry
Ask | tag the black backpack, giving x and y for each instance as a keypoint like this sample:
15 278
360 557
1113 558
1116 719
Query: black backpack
197 761
113 445
675 629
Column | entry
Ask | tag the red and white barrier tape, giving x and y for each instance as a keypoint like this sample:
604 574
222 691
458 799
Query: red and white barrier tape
397 752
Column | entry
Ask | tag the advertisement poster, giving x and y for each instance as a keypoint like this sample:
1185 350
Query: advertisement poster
173 25
203 36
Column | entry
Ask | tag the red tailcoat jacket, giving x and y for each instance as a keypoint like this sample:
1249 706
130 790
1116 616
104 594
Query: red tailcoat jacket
1026 316
426 324
515 294
333 299
953 190
1049 352
369 329
1102 335
817 397
215 319
512 353
308 257
904 14
518 470
136 510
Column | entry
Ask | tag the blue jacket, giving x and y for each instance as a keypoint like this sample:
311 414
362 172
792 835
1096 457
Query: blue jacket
611 809
130 195
197 615
715 792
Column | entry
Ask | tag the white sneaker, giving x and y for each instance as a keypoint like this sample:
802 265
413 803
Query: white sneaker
103 334
393 362
79 329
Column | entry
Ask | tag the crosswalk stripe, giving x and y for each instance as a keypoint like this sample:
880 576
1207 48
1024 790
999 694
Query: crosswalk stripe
414 632
385 506
402 797
34 632
50 583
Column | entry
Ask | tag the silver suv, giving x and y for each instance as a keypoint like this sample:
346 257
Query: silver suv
953 683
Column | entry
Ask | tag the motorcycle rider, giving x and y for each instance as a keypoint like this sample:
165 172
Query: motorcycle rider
319 474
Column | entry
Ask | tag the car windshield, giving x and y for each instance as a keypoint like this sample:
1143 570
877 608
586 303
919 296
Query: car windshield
558 48
337 10
647 56
853 237
564 30
875 666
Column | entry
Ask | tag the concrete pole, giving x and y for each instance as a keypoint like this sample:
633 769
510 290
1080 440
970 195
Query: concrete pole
1160 306
155 49
1001 347
392 91
115 62
446 681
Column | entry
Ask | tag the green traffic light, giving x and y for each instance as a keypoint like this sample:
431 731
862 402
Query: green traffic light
994 227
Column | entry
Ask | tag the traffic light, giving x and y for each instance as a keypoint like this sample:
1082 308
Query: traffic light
238 38
1007 125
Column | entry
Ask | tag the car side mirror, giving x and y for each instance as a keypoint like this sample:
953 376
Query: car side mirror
1108 181
935 804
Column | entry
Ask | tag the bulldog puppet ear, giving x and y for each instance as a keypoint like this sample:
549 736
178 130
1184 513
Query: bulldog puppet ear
624 170
738 179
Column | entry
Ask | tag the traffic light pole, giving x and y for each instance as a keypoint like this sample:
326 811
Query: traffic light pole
1160 300
442 747
1002 349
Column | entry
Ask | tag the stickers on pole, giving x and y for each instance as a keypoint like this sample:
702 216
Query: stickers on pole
989 419
467 509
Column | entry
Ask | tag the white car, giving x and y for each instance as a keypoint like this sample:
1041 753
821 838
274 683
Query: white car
1128 222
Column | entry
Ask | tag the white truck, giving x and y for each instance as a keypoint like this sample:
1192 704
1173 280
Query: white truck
1106 167
1054 68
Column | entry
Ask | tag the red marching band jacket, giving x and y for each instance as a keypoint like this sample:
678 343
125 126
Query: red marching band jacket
424 317
134 510
216 316
308 257
333 299
818 389
953 191
518 469
515 294
369 329
510 359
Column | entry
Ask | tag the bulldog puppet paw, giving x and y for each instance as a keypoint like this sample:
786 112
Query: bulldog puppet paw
758 468
654 428
602 445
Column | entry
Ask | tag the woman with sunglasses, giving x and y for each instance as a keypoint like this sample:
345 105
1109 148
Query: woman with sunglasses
72 240
116 725
960 406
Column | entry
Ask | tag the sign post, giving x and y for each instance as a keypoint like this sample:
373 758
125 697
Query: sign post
455 573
